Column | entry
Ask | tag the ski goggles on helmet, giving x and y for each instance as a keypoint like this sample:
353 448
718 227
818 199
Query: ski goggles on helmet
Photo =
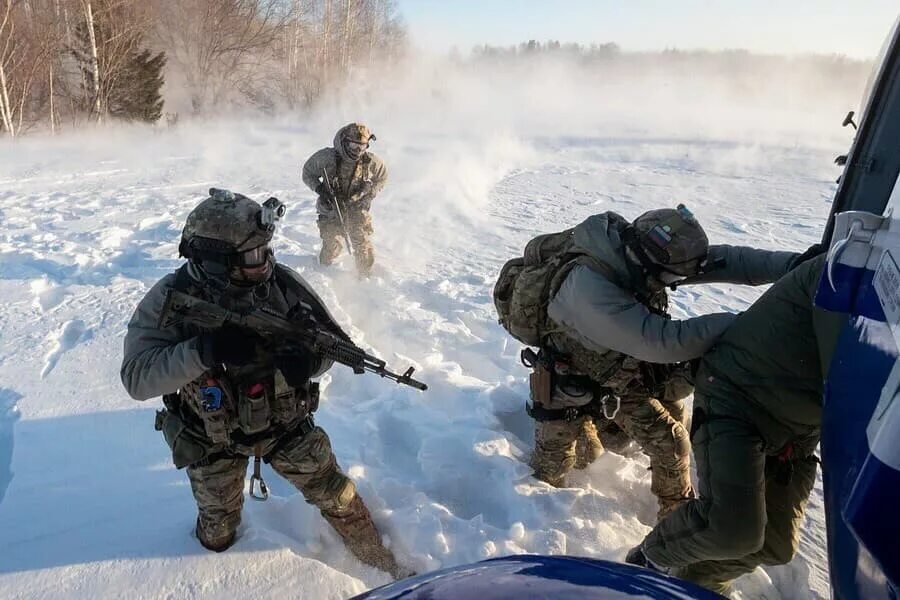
354 149
222 253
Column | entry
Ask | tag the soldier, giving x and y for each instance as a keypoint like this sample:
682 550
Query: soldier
228 395
347 178
608 347
756 425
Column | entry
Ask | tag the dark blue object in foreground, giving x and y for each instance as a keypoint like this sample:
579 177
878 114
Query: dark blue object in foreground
535 576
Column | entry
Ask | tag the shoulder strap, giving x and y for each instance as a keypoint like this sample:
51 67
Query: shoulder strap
601 267
184 283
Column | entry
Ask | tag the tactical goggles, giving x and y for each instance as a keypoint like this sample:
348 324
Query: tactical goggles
217 251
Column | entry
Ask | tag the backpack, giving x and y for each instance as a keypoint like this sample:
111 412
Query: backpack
526 284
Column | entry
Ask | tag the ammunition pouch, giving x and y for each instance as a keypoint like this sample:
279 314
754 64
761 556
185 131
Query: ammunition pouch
188 447
558 394
253 406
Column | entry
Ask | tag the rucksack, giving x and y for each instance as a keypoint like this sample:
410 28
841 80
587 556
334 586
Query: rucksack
526 284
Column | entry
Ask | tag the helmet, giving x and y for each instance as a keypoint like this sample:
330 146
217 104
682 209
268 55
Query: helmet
229 230
352 140
669 243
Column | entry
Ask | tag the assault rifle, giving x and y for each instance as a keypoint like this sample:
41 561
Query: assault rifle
180 307
337 207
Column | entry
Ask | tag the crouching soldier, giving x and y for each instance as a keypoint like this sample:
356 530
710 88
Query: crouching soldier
229 395
346 178
593 300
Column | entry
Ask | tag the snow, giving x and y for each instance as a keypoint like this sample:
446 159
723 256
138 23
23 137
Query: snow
90 505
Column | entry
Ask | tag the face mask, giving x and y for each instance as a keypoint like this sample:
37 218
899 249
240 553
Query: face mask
354 149
249 276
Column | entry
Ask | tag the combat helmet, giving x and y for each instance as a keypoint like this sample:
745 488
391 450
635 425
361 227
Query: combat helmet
352 140
669 243
228 231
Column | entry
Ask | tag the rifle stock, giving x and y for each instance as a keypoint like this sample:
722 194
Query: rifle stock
180 307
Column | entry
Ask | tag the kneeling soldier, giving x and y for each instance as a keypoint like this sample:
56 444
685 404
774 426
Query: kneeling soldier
229 395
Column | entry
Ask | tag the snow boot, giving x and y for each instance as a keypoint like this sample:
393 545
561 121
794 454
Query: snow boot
217 540
355 526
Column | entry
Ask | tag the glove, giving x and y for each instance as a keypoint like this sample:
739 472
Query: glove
230 345
637 557
324 192
811 252
297 366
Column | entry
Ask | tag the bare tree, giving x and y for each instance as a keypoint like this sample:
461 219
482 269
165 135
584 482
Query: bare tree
24 51
218 44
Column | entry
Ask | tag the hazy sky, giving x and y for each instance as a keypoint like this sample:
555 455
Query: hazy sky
856 28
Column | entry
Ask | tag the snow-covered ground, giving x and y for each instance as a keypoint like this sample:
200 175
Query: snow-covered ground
90 505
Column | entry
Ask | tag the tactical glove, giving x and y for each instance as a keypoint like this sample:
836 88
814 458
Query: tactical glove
230 345
297 366
324 192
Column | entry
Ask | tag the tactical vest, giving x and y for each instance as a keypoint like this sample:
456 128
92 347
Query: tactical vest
243 406
355 186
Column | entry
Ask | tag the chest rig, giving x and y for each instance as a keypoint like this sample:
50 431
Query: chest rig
240 407
353 179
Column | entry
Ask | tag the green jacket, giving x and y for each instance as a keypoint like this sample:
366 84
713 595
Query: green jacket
770 365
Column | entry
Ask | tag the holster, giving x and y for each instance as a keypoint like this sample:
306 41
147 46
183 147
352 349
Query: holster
541 384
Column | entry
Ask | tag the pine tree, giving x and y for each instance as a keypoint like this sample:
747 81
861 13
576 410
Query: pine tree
130 78
137 94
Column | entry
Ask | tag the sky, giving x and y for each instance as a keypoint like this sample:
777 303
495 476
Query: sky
856 29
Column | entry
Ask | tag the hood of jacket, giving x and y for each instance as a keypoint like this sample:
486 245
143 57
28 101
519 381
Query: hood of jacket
600 236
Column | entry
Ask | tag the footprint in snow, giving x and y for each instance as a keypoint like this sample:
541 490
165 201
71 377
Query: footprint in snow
46 294
67 338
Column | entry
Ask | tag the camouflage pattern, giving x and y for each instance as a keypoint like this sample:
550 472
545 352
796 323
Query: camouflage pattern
674 238
588 445
218 488
308 462
651 412
257 405
356 132
359 228
354 524
355 184
657 426
230 218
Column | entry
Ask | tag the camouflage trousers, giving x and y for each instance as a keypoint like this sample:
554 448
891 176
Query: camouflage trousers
307 461
658 427
359 229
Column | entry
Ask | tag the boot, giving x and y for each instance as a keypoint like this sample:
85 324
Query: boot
588 446
217 539
354 524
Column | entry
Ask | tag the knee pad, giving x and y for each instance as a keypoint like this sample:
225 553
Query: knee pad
344 494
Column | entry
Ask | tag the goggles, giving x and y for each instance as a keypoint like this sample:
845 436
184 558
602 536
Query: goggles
222 253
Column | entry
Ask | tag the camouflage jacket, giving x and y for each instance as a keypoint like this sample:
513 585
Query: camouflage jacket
355 183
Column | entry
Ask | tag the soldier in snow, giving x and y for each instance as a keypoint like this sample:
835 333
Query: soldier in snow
593 299
346 178
228 395
756 425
